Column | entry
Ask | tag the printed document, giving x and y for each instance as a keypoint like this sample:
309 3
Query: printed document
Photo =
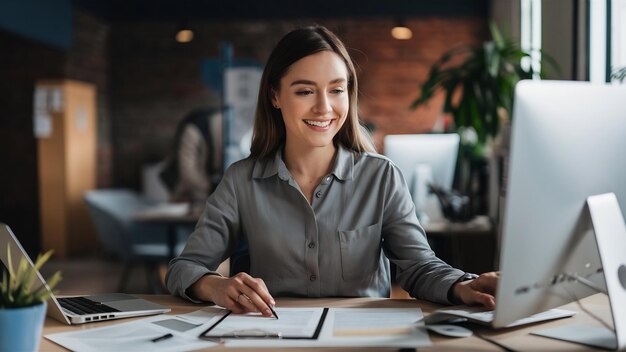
365 327
138 335
293 323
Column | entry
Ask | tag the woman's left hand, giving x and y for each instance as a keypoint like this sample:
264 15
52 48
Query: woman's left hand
481 290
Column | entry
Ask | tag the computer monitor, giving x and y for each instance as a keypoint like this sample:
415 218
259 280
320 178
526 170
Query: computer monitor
568 143
424 159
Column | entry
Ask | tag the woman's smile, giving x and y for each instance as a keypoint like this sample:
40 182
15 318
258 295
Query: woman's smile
319 125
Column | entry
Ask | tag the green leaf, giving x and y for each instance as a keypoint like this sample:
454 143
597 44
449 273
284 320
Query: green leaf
10 259
16 288
41 259
495 34
4 285
54 280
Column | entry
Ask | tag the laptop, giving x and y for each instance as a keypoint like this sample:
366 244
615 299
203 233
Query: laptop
79 309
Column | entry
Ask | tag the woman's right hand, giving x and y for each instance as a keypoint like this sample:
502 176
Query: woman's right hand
240 293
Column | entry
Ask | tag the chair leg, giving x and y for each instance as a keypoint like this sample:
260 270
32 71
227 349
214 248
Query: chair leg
121 286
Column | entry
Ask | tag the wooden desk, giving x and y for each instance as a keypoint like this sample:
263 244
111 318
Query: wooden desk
171 221
516 338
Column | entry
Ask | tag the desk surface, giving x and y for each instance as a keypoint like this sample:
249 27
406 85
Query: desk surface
517 339
480 225
190 218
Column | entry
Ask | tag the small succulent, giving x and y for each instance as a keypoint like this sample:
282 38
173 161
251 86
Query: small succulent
16 288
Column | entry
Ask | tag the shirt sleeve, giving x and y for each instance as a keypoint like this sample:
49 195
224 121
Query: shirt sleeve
419 271
212 241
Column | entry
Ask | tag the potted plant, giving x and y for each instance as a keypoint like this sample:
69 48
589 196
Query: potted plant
23 305
478 83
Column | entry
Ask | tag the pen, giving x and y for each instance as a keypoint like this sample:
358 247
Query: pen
273 311
161 338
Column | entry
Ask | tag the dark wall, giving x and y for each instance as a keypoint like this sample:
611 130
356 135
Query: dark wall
22 62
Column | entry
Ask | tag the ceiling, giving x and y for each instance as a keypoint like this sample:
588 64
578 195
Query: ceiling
133 10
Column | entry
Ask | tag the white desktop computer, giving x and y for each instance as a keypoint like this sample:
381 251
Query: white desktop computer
424 159
564 236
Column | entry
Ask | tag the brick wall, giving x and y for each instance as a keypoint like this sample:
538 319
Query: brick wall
155 81
87 61
392 70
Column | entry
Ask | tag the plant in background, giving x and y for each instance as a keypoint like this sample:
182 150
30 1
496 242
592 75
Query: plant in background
478 83
619 74
16 288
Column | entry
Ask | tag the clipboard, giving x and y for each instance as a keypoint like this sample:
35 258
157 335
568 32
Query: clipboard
259 333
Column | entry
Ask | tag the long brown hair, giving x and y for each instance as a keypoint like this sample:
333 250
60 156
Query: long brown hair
269 127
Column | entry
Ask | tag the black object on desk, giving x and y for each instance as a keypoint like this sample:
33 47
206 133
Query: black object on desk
161 338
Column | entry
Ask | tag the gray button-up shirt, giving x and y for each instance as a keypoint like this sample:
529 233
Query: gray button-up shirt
361 217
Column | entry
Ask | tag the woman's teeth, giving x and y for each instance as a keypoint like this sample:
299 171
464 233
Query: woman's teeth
318 123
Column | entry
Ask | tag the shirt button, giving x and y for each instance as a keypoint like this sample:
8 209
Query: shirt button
318 194
313 278
327 178
312 245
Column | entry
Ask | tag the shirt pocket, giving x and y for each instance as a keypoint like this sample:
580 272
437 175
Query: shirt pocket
360 252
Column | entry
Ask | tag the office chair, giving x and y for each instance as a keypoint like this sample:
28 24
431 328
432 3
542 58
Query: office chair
135 243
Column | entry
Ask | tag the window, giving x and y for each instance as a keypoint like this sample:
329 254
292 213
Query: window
607 41
618 41
530 36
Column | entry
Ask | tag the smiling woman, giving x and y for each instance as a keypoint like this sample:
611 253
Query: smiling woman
307 51
322 213
314 108
313 100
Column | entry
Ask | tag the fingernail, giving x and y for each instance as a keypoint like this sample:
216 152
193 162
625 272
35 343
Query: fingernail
267 312
273 304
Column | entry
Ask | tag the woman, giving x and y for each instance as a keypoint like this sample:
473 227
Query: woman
321 212
194 167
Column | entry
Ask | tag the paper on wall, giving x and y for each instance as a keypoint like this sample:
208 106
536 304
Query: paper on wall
42 125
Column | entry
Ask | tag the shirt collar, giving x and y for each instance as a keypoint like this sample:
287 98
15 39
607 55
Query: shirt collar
344 164
270 166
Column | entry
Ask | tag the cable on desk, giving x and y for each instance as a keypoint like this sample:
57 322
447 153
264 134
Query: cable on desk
494 342
582 307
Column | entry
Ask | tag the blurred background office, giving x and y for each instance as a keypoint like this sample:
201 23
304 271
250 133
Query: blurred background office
92 93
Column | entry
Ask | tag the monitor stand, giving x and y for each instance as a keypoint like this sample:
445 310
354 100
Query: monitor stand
610 232
427 205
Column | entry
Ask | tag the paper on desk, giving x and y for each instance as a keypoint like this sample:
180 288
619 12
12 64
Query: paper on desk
137 334
374 322
364 327
293 322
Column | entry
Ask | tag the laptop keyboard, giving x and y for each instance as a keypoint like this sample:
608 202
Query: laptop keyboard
84 306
